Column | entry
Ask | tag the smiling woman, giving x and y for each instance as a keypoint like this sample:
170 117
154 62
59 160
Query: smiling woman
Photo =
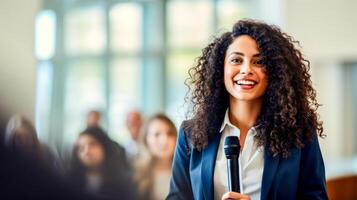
254 83
244 76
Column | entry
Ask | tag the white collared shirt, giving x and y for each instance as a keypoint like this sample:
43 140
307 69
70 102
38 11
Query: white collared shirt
251 163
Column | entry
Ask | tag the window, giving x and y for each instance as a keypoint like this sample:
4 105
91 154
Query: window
45 33
114 56
187 34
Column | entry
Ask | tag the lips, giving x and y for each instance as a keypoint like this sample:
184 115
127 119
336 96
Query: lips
246 83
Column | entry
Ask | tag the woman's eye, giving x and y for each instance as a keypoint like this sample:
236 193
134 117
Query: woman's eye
236 61
258 62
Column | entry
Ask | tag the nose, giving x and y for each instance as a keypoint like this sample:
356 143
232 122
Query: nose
86 150
246 68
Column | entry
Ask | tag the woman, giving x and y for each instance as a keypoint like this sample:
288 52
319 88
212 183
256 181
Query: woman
153 174
99 167
254 83
21 138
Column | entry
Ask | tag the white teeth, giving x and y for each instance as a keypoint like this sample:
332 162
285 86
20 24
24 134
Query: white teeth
245 82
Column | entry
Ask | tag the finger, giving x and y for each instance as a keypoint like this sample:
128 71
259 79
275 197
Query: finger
235 196
232 195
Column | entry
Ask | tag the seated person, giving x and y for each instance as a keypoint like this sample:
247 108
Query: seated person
153 174
98 167
21 137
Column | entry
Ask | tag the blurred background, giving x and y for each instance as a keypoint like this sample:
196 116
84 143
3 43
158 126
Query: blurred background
59 59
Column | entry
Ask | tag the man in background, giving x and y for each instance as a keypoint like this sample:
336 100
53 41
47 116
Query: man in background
94 118
134 147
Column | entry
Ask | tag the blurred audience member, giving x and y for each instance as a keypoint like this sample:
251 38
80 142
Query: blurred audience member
94 119
23 177
21 137
134 147
153 175
99 166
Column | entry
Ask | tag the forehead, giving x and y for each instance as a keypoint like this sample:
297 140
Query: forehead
243 44
158 124
94 114
85 139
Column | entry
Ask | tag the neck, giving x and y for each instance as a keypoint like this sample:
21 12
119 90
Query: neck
244 114
136 139
93 172
162 164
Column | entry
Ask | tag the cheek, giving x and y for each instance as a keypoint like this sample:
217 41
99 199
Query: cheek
81 155
152 143
227 77
99 153
172 145
229 73
265 82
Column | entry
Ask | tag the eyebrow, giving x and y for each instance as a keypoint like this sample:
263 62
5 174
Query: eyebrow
242 54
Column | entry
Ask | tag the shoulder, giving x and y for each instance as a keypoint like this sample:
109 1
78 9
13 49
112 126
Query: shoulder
184 141
186 125
186 128
116 148
311 146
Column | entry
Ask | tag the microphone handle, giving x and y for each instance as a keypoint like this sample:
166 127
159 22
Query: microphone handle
233 174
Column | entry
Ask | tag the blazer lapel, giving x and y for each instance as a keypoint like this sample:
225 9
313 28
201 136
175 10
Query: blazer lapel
270 167
208 164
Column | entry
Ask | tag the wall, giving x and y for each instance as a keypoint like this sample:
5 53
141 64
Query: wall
17 62
327 32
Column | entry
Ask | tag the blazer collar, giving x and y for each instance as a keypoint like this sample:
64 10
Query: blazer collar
208 164
270 167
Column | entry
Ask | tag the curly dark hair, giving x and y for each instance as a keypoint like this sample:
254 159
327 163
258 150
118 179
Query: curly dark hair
289 113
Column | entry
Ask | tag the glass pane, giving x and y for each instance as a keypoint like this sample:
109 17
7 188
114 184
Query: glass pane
177 73
126 34
85 31
85 90
189 23
229 12
43 99
125 95
45 33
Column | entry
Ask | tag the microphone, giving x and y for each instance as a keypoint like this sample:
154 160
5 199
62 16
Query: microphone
232 149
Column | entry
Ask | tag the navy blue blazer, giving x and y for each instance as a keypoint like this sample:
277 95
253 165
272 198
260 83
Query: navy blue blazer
300 176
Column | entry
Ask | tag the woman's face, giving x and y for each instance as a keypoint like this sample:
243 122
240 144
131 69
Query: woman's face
244 76
161 142
90 151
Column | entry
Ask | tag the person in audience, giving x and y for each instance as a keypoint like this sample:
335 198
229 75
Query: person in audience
21 137
23 177
153 174
134 147
99 167
94 119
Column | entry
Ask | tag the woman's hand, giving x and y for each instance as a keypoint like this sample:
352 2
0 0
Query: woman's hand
235 196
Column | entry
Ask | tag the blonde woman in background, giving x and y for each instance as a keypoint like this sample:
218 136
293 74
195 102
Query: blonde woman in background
153 174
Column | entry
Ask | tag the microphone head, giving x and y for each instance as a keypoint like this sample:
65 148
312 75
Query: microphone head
231 146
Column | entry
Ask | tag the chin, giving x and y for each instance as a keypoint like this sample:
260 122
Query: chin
246 98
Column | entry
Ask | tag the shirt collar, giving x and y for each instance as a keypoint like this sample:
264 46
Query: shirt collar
226 122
